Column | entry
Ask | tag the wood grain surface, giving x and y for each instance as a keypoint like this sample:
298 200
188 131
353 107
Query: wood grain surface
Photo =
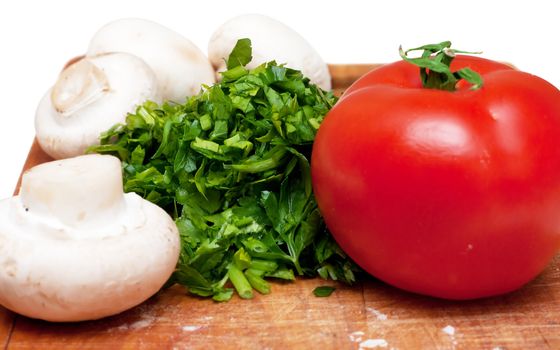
368 315
6 324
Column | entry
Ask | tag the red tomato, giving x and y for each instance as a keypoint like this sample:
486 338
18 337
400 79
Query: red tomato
449 194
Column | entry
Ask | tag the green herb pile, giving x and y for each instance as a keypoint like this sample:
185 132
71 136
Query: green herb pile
231 165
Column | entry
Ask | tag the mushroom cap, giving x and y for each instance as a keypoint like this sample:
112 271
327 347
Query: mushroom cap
55 268
271 40
180 67
90 96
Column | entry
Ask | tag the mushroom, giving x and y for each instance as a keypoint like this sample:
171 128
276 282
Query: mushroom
90 96
180 67
74 247
271 40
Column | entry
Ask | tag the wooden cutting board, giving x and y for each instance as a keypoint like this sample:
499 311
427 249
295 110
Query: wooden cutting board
368 315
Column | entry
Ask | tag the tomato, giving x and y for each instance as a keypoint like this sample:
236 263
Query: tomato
452 194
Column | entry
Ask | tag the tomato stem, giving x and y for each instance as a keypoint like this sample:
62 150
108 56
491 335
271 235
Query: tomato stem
435 67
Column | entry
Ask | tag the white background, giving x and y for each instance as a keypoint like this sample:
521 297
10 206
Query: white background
38 37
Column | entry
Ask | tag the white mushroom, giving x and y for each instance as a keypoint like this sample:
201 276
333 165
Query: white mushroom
73 247
180 67
90 96
271 40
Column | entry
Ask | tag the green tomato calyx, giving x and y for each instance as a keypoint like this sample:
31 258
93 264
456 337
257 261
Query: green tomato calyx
435 67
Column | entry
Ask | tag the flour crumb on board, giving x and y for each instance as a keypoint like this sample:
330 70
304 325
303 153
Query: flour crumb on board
143 322
450 331
147 322
497 348
373 343
191 328
356 337
379 315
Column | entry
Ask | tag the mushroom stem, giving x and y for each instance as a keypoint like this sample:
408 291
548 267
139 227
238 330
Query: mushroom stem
77 86
84 191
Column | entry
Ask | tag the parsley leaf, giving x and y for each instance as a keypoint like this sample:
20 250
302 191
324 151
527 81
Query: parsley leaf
231 165
323 291
240 55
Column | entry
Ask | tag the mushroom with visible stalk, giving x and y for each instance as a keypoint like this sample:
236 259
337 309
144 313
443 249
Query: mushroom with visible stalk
90 96
74 247
271 40
180 67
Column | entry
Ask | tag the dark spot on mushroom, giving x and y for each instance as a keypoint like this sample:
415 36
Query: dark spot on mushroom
189 54
10 267
72 61
26 209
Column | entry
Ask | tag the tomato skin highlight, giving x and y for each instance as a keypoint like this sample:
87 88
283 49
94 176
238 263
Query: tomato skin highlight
449 194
